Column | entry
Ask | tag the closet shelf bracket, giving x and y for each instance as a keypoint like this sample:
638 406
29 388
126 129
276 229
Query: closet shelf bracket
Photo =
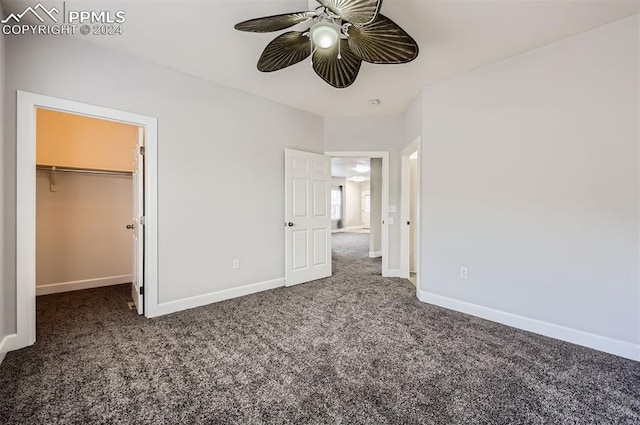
52 180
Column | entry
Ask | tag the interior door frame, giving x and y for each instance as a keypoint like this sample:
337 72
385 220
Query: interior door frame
405 200
384 155
27 103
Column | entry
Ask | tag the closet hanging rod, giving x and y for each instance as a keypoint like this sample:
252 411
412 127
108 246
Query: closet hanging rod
83 171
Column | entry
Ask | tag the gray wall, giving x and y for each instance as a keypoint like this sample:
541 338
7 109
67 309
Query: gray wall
412 121
530 179
373 134
214 143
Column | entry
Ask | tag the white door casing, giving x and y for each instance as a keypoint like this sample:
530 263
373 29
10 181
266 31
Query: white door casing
307 217
408 225
137 232
25 297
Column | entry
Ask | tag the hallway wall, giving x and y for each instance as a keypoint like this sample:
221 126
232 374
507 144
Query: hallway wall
375 190
353 204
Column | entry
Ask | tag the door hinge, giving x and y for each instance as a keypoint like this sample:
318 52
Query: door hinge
142 290
141 150
142 220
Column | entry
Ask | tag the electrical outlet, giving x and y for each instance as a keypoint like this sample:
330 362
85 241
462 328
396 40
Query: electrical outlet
236 264
392 209
464 273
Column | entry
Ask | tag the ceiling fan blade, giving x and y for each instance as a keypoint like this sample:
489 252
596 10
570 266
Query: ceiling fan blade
285 50
340 73
275 23
382 42
354 11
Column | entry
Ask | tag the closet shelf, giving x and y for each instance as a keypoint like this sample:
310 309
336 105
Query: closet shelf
82 170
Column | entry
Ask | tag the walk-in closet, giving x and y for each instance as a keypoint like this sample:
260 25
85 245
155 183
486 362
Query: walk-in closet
84 202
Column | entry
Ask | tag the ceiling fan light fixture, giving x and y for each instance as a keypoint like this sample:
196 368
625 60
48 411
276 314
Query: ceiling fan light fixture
325 35
340 36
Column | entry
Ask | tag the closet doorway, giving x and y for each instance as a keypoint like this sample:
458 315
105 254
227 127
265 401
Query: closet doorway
28 174
88 231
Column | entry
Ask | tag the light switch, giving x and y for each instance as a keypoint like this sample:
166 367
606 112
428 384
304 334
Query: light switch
390 220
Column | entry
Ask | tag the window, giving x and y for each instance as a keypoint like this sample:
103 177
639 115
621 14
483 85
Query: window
336 204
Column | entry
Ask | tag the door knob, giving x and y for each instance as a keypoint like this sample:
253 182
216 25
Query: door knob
290 224
130 226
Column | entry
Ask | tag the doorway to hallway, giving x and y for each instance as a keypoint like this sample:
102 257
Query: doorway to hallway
359 193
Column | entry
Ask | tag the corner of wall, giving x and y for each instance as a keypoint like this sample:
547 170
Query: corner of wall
515 213
412 120
552 330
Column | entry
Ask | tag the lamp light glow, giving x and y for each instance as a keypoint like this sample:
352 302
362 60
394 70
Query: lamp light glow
324 35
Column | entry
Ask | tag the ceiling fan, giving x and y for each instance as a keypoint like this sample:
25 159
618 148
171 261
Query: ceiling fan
342 34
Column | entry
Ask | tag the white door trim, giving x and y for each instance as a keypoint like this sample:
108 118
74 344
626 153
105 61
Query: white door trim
405 251
384 155
26 204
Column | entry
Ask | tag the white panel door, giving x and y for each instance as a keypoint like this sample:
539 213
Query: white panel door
307 216
137 225
366 210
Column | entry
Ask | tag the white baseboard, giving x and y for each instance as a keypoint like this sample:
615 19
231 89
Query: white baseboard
393 273
6 345
214 297
3 350
348 229
55 288
375 254
575 336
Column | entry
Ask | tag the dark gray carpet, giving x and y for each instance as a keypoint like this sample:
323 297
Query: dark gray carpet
355 348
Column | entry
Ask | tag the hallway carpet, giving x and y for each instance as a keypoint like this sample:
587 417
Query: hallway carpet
354 348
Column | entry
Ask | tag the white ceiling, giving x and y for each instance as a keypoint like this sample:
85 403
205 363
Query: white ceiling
344 167
455 36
